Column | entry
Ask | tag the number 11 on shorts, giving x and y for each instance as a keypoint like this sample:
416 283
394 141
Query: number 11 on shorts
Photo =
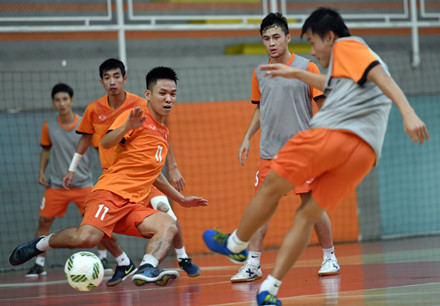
104 211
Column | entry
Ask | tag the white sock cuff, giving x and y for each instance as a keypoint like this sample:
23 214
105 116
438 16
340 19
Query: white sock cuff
236 245
40 260
270 284
102 254
150 259
122 260
181 253
330 252
254 258
43 244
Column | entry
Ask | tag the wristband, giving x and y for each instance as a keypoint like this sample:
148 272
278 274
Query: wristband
75 161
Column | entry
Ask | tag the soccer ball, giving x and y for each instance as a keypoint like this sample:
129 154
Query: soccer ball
84 271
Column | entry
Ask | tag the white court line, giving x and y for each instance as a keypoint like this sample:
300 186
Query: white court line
348 294
36 283
113 291
33 284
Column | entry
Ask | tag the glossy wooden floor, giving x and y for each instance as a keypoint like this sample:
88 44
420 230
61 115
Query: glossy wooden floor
395 272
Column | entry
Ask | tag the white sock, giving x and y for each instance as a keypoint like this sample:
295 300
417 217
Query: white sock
102 254
235 245
329 252
270 284
43 244
40 260
122 260
254 258
181 253
149 259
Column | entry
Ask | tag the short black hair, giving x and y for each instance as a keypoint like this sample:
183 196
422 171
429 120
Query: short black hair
61 87
158 73
324 20
110 64
272 20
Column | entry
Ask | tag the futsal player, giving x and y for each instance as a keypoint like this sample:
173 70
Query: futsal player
115 204
283 108
98 117
342 145
58 139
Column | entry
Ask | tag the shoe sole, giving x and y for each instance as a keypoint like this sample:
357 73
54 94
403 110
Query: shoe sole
122 279
36 275
243 280
237 262
191 275
329 273
164 278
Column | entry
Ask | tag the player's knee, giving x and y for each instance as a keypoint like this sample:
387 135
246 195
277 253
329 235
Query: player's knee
45 222
309 211
113 239
87 240
275 186
171 227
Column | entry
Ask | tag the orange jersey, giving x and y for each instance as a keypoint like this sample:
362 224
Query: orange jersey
352 59
99 116
138 159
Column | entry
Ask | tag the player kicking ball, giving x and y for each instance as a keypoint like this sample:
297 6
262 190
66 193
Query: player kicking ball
116 203
342 145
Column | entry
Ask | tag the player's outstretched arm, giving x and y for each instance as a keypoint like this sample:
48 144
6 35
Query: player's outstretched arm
163 185
134 120
312 79
412 124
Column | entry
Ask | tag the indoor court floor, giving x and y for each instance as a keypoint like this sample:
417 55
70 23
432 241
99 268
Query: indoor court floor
391 272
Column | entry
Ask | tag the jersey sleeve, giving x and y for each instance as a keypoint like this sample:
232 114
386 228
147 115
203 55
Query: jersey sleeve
352 59
119 121
256 94
316 93
86 124
45 139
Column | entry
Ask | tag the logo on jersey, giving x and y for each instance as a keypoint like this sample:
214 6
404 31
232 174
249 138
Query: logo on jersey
102 117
